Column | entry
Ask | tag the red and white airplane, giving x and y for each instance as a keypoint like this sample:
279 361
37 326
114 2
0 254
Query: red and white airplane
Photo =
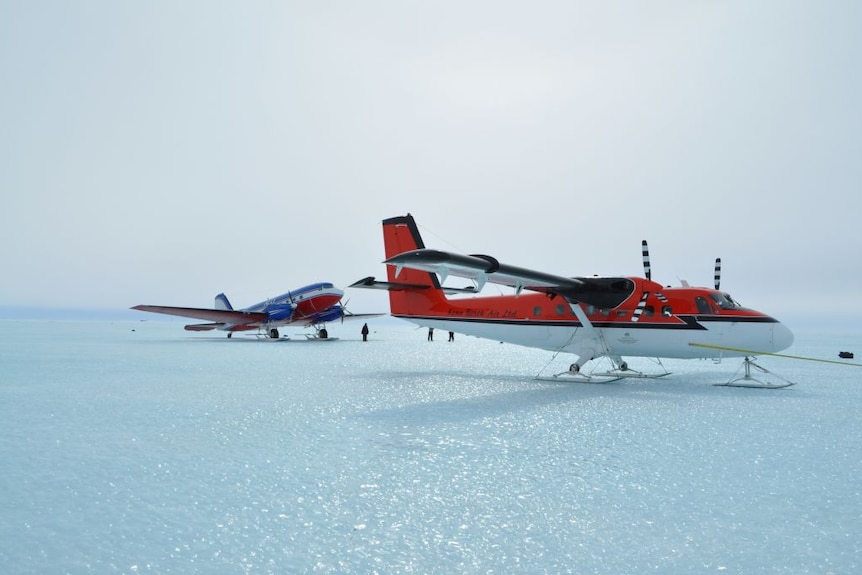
590 317
312 305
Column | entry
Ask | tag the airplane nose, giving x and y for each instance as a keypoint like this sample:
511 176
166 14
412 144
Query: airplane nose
782 337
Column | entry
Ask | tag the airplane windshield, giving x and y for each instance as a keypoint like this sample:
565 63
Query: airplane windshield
724 301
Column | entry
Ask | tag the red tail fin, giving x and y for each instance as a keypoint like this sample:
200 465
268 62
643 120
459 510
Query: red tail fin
400 235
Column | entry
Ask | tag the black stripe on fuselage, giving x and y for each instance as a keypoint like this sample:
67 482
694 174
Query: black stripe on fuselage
690 322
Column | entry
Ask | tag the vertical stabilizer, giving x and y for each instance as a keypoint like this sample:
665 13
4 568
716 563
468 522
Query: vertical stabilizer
221 302
400 235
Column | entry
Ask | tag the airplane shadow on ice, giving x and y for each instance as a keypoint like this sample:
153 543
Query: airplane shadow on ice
524 394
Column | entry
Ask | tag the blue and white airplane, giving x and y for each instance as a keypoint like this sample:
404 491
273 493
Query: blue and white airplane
312 305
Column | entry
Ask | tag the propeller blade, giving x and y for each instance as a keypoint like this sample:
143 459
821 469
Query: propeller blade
645 252
344 310
717 272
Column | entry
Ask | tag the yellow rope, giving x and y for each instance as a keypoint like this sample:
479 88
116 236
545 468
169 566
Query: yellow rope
753 352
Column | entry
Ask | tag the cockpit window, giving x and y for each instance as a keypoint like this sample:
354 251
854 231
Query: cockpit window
724 301
702 305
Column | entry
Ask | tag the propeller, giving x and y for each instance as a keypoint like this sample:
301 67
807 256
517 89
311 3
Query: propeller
717 272
645 252
648 273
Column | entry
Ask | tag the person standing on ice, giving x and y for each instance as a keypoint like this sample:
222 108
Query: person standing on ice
365 332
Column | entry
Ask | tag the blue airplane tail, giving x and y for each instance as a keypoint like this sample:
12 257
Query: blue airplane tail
221 302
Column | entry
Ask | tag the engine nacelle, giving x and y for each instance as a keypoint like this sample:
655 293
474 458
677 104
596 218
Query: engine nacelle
280 312
332 314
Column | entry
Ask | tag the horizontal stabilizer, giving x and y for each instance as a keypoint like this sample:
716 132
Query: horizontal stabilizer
349 315
371 283
204 326
455 290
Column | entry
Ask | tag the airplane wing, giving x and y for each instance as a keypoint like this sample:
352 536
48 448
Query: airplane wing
599 291
230 317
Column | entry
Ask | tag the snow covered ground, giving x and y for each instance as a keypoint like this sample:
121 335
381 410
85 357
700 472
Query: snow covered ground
136 447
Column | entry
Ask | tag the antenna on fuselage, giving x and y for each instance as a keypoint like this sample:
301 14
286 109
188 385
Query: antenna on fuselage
717 272
645 252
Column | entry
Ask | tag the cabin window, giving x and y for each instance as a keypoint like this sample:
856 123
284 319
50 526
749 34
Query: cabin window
561 309
649 311
666 310
622 313
591 310
702 305
537 311
605 312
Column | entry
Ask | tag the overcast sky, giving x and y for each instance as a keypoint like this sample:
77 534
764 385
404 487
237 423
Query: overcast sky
161 152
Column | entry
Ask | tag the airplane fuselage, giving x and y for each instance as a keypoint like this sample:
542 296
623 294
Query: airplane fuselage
654 321
297 305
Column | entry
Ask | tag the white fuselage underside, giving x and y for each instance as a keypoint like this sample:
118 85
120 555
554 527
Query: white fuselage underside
625 340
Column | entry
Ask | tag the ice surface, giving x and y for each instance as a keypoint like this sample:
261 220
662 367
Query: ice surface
135 447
